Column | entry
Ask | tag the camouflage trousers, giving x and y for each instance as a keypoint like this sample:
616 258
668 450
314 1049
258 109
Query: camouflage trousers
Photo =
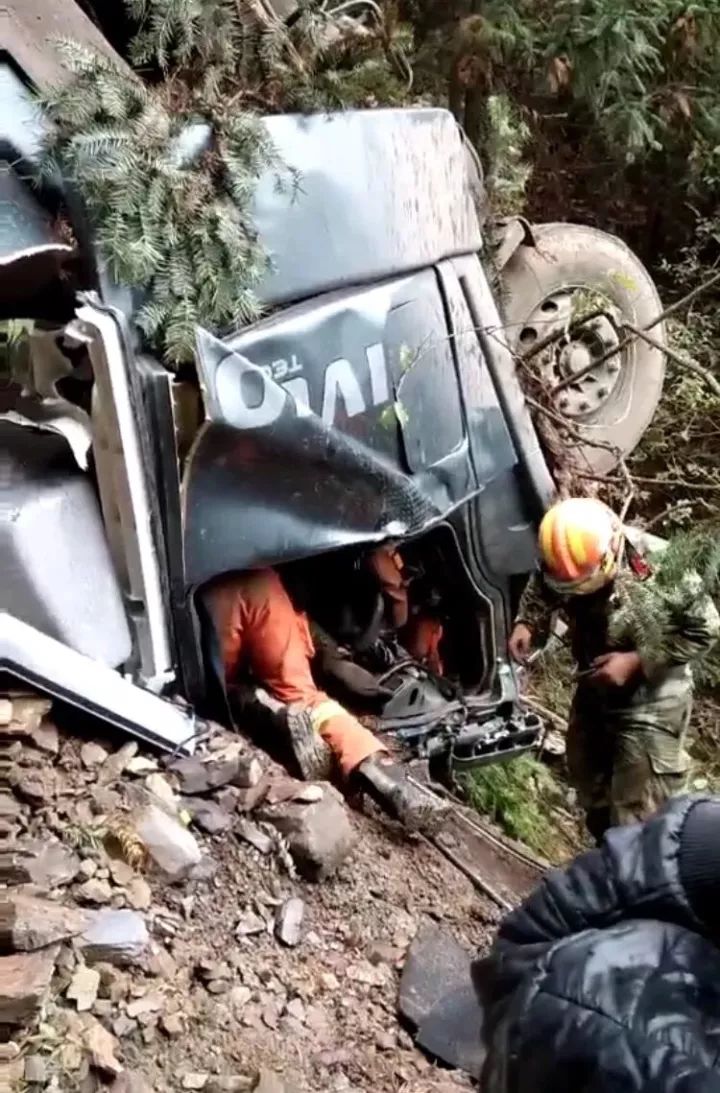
625 760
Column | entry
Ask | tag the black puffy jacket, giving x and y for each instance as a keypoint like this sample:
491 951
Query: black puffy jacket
607 979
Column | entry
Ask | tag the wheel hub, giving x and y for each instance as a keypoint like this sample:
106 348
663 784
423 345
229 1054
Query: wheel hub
571 354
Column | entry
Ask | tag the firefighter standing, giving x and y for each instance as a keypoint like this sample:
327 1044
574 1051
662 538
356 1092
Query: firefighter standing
630 713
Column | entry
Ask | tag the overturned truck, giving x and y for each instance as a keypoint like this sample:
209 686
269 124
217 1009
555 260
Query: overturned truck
378 400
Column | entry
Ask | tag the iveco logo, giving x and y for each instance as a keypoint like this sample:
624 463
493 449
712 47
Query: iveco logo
250 397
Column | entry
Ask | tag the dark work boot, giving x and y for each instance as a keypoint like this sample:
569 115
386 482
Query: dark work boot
312 754
388 784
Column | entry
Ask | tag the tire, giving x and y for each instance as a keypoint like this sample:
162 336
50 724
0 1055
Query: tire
571 256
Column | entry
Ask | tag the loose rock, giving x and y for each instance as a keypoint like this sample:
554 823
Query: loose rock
24 981
319 835
195 1081
35 786
139 894
101 1046
148 1003
95 891
269 1082
172 1024
168 843
115 764
296 1009
28 923
208 815
92 755
252 834
35 1070
161 788
141 764
45 737
250 924
289 920
130 1081
121 872
231 1083
115 937
123 1026
84 988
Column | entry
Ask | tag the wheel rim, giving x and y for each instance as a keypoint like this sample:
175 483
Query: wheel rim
573 352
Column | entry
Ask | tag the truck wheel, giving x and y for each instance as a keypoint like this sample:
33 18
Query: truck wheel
573 271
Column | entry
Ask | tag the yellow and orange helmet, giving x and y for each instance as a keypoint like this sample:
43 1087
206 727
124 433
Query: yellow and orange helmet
580 542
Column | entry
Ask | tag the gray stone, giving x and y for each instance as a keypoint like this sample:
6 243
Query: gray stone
115 764
94 891
250 924
208 815
319 834
115 937
35 1070
170 845
123 1026
130 1081
289 921
46 864
231 1083
92 755
24 982
45 737
28 922
198 777
254 835
84 987
269 1082
139 894
194 1080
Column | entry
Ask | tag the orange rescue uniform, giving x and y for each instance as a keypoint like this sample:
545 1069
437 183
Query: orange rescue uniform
258 627
420 634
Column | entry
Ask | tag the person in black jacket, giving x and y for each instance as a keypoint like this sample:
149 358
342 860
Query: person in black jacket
607 978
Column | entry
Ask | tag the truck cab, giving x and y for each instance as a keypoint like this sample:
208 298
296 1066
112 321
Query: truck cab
376 401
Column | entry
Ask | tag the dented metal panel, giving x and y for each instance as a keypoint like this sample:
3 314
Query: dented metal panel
57 574
342 421
381 192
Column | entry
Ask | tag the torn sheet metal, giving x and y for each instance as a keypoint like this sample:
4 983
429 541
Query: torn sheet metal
56 416
341 421
83 682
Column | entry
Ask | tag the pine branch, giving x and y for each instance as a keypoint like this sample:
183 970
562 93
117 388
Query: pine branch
178 225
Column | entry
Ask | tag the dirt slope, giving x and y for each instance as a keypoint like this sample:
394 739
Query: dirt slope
210 1008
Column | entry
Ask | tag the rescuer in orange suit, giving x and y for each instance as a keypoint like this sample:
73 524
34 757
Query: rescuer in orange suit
259 628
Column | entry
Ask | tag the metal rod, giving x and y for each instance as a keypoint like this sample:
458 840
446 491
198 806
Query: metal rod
477 880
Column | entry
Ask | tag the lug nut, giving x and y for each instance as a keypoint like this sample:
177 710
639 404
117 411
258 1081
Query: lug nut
602 392
564 403
584 407
613 366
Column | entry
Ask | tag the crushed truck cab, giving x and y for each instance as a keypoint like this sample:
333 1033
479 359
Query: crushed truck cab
376 401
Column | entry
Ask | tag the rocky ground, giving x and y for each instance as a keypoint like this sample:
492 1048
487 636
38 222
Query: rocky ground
205 925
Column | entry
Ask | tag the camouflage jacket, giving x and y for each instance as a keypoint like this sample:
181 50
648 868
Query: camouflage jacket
593 620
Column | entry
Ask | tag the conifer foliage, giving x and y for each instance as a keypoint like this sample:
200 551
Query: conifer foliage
167 157
685 573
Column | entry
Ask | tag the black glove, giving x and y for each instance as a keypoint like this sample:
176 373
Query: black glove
353 678
337 664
